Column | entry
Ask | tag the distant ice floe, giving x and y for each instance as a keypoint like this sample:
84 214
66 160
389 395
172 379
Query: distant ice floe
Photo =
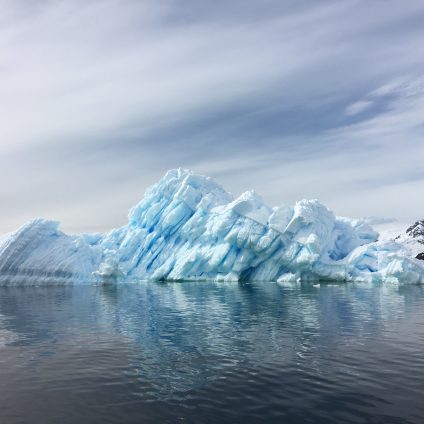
187 227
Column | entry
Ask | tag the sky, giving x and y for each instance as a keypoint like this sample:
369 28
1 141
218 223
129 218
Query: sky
294 99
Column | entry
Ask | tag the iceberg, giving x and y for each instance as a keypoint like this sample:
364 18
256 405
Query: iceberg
187 227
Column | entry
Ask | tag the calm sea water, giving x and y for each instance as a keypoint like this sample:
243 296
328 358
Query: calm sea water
212 353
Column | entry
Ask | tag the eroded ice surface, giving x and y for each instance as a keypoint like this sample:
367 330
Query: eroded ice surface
188 227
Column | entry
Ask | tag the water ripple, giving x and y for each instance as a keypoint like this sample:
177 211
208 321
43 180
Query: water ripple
212 353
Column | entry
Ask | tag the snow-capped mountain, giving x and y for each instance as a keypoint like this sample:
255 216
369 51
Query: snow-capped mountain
414 239
188 227
417 231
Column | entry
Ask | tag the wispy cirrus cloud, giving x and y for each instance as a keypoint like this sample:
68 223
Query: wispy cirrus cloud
358 107
308 99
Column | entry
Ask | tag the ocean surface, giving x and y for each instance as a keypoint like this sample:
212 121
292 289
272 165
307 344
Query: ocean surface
198 352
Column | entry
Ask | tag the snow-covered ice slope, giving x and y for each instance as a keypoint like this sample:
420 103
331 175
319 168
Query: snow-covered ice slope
189 227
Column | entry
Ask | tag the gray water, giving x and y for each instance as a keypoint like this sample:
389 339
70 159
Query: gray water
212 353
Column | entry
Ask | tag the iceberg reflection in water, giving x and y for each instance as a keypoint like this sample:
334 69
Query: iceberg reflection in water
196 352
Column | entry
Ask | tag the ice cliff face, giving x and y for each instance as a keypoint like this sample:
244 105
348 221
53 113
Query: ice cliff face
188 227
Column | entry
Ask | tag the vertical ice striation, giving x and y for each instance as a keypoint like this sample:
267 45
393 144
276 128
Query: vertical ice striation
39 252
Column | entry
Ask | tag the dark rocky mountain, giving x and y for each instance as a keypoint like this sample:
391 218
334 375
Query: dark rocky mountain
416 231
